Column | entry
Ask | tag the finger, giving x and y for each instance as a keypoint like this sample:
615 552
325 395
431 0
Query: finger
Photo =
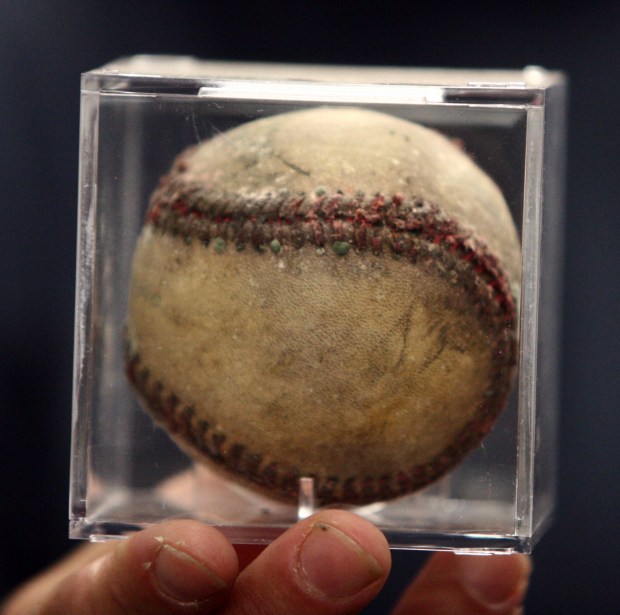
333 562
23 599
174 567
468 585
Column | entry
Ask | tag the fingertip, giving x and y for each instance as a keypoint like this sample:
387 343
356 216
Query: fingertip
468 584
495 580
332 562
342 557
173 567
361 535
182 563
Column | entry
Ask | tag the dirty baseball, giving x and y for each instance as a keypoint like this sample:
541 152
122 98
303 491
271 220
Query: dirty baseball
327 293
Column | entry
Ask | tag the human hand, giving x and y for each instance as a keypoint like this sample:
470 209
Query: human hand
331 563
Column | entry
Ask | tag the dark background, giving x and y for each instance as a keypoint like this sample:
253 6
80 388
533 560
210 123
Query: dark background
45 45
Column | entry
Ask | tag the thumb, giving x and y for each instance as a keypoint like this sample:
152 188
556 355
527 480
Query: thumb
174 567
468 585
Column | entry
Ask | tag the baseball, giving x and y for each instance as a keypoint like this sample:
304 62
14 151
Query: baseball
328 293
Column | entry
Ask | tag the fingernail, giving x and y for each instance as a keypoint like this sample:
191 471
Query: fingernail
327 549
183 579
496 580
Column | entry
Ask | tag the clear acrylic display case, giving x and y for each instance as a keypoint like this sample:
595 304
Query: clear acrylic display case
137 114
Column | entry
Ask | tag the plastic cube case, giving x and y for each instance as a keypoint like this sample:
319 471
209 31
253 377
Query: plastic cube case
137 115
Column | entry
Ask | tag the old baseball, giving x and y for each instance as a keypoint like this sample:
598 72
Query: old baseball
326 293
